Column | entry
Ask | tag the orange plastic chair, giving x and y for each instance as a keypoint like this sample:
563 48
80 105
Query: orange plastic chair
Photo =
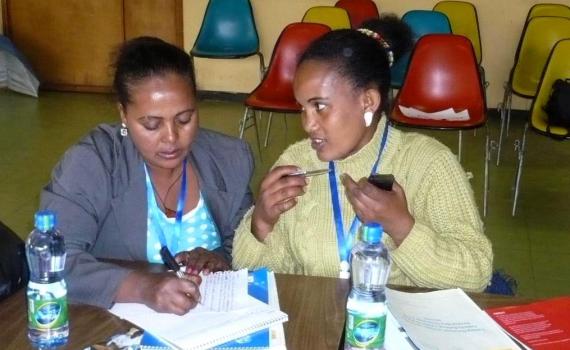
539 37
359 11
275 92
557 67
333 17
443 74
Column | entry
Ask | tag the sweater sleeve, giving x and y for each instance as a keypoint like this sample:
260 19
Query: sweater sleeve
446 247
274 252
79 194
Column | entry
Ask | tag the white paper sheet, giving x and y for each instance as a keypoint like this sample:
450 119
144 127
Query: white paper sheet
446 114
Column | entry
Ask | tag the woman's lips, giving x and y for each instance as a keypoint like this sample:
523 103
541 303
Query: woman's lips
171 154
317 143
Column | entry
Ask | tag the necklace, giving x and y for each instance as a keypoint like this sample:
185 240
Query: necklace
169 212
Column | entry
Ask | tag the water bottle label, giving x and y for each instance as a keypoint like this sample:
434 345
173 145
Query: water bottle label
48 313
365 330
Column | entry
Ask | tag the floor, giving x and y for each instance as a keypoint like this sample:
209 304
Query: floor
533 246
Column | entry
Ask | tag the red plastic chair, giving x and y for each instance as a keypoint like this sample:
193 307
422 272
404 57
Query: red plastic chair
359 11
443 73
275 92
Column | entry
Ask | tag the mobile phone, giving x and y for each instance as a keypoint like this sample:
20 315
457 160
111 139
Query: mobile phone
382 181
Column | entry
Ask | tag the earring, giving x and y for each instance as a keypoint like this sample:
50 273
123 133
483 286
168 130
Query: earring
368 115
124 130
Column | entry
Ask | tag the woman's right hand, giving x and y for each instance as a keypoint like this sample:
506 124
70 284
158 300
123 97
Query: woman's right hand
162 292
277 194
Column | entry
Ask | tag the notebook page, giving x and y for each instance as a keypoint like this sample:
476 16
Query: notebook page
224 291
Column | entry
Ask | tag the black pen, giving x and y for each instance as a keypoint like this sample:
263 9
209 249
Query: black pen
170 262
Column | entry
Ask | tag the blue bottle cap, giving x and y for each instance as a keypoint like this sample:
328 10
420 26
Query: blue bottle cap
44 220
372 233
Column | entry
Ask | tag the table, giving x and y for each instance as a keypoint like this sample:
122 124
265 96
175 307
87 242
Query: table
315 305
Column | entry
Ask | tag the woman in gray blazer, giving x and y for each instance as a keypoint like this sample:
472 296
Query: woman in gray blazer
157 180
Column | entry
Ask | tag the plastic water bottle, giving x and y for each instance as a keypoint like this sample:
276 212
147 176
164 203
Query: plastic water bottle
366 306
48 324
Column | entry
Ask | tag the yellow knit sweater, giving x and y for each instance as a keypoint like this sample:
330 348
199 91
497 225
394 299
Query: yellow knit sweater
445 248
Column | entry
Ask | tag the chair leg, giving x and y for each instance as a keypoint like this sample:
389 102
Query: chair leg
285 121
268 129
503 110
257 135
460 146
262 68
509 105
486 171
520 149
243 122
249 114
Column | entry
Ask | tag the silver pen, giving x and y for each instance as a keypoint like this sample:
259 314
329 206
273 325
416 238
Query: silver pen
308 173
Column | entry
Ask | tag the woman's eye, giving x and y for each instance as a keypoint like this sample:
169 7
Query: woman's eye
319 106
151 124
183 120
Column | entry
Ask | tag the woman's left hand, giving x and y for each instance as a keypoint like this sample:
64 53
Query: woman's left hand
202 260
372 204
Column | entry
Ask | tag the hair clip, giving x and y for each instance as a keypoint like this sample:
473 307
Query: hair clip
380 39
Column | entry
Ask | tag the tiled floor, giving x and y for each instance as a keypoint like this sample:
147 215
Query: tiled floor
534 246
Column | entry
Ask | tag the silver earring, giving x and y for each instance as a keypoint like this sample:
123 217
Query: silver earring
368 115
124 131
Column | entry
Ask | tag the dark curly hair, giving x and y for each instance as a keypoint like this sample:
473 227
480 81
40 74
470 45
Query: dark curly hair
143 57
360 58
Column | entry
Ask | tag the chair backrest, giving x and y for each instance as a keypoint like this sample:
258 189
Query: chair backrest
421 22
557 67
333 17
540 10
278 81
359 11
228 30
443 74
463 18
539 37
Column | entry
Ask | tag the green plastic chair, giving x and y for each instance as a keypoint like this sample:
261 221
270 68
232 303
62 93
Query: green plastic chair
541 10
228 31
557 67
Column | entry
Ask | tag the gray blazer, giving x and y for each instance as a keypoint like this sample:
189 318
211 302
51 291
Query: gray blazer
98 193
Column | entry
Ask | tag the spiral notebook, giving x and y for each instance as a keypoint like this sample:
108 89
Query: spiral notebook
202 328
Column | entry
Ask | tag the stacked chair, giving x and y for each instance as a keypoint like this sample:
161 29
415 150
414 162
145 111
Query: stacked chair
557 67
443 73
216 41
539 36
359 11
331 16
275 92
421 22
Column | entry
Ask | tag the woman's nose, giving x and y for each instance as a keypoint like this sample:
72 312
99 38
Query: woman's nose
171 133
308 121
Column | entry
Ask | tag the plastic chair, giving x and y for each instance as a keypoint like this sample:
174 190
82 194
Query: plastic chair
275 92
333 17
539 37
421 22
463 18
557 67
359 11
541 10
228 31
443 74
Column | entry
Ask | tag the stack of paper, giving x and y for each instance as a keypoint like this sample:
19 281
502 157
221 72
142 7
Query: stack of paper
202 327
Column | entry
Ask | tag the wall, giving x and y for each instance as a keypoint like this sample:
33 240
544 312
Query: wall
500 22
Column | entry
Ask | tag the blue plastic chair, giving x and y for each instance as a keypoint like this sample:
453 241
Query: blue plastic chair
228 31
421 22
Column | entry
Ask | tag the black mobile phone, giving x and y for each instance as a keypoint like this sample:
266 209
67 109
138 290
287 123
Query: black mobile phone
382 181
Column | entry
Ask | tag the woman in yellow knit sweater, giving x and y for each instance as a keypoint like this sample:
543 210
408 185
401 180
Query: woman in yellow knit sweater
305 225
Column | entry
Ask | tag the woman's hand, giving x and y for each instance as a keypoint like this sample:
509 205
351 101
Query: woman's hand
162 292
372 204
202 260
277 194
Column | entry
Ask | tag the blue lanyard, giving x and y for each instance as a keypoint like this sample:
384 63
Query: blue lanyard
179 211
345 241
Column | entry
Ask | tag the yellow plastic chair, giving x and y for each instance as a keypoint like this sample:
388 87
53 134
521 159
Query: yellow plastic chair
538 38
541 10
334 17
557 67
463 18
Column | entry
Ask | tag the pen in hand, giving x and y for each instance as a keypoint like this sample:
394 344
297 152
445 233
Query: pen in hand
307 173
171 263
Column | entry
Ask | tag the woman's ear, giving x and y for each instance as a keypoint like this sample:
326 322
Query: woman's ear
371 100
122 113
